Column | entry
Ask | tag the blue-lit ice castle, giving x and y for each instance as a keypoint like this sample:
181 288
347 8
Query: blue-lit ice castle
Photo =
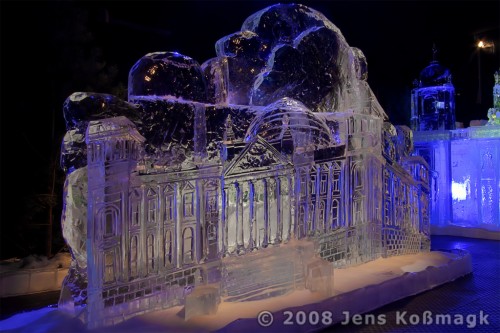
464 163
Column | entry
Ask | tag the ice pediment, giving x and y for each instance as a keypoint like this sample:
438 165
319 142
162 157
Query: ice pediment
257 156
117 127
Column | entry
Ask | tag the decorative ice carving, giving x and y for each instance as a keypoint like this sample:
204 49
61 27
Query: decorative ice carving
433 99
249 176
465 164
494 112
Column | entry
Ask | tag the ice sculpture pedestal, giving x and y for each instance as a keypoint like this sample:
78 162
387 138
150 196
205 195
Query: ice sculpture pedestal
357 289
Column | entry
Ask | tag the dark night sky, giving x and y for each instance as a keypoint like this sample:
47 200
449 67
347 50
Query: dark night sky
45 47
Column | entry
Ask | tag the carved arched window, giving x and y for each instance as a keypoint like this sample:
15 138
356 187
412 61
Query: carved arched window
187 245
358 175
135 207
324 183
335 213
109 267
321 218
108 220
188 204
152 201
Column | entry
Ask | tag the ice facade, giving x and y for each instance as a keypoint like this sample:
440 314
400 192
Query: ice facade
465 171
249 176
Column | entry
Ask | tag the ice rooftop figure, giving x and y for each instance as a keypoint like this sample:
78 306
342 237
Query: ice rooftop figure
251 175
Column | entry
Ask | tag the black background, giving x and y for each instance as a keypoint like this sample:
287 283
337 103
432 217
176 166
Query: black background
51 49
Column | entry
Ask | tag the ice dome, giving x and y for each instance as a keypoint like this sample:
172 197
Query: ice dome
290 117
434 75
167 74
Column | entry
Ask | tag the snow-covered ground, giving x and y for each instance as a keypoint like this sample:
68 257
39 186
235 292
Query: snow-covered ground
33 274
60 260
356 289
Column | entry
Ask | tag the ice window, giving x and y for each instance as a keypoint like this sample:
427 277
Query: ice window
169 208
152 210
335 213
109 221
324 182
187 245
188 204
109 267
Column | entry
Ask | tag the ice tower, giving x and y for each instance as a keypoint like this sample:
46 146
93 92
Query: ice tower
464 163
433 99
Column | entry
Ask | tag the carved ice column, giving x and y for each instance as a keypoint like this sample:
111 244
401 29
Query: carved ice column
223 228
239 217
252 221
246 205
272 211
286 199
178 225
266 213
233 216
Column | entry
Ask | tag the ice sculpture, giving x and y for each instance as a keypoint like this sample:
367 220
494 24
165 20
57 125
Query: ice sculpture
433 99
494 112
249 176
465 169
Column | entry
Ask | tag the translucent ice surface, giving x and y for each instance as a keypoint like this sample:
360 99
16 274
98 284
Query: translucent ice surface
465 169
433 99
250 176
167 74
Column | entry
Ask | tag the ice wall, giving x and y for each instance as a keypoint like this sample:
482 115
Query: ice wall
465 164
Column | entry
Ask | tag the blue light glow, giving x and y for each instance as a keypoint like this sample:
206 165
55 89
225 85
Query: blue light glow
460 191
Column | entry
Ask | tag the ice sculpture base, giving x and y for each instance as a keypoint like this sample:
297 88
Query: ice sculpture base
357 289
452 230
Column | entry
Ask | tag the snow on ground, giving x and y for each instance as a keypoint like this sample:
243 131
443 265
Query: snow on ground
33 274
357 289
33 261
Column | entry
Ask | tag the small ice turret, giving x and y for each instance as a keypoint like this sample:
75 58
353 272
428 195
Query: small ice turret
433 99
